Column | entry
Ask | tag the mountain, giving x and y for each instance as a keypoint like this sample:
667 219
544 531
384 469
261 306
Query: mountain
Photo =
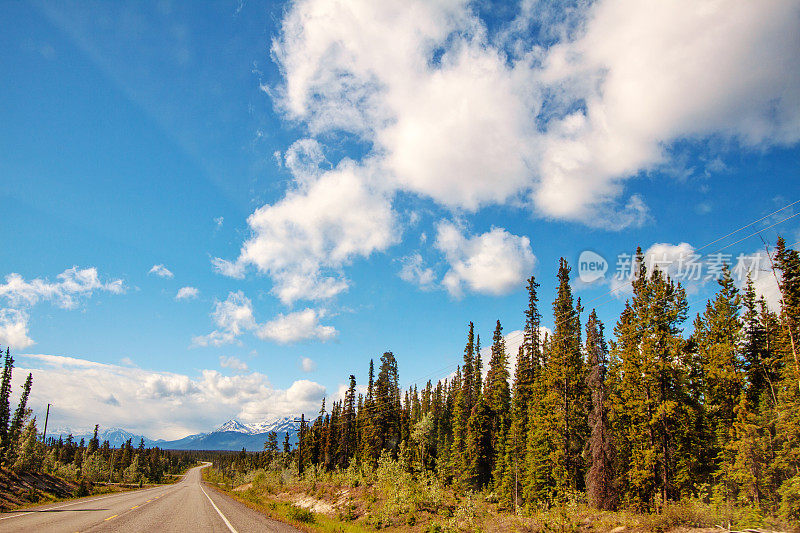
115 436
232 435
235 435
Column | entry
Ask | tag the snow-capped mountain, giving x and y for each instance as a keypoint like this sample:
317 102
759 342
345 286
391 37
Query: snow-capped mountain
232 435
279 425
115 436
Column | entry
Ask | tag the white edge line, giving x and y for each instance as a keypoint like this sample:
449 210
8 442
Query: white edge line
218 511
24 512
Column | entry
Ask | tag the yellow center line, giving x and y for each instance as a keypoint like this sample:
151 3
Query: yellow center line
110 517
134 507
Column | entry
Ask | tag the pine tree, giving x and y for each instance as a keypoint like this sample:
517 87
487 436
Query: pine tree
477 368
386 415
717 338
18 420
94 443
270 447
348 438
600 477
5 399
653 411
30 453
561 427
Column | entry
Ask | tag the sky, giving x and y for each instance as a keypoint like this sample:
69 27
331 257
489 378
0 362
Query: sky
223 209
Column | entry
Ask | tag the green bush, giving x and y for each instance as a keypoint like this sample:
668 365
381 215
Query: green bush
300 514
790 498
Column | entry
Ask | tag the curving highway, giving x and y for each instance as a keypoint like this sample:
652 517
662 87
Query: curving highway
184 506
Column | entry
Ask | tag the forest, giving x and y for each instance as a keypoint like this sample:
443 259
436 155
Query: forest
80 464
631 420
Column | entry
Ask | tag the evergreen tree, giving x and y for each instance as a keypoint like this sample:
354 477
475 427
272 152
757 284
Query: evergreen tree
560 424
5 399
717 338
653 409
30 454
18 420
600 477
271 447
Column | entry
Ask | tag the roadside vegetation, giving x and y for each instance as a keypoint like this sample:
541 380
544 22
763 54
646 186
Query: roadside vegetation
33 471
655 429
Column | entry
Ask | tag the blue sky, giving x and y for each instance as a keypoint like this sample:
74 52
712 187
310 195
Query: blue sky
327 180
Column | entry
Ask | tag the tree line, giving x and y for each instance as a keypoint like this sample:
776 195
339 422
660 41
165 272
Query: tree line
22 448
646 416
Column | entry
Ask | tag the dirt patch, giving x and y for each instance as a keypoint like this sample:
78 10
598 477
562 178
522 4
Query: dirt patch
313 504
242 488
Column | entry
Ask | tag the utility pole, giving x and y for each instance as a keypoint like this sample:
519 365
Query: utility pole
46 417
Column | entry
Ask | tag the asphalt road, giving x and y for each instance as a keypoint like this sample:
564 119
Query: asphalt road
184 506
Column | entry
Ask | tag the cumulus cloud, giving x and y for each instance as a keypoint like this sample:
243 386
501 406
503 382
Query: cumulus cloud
449 111
303 240
110 395
296 326
415 272
14 329
71 285
307 364
234 316
233 363
187 293
455 117
494 262
161 271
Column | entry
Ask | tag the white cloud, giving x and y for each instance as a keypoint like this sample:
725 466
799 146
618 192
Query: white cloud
72 284
650 73
161 271
452 117
234 316
449 112
303 240
307 364
413 271
14 329
219 221
494 262
296 326
228 268
187 293
232 363
111 395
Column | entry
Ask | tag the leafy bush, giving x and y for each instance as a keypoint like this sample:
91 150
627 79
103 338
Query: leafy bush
790 498
300 514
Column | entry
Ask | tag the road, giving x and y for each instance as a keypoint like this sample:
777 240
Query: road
184 506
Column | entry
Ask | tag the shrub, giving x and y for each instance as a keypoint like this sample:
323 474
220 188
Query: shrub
790 498
300 514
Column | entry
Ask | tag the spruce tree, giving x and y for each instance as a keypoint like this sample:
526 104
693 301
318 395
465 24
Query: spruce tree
5 399
717 338
653 409
18 420
561 426
600 477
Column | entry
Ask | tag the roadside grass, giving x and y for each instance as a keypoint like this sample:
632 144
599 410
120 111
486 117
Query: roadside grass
389 498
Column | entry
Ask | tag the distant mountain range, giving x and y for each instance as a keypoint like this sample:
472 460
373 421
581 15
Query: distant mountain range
232 435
